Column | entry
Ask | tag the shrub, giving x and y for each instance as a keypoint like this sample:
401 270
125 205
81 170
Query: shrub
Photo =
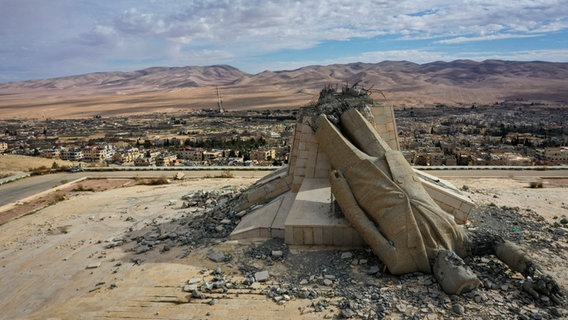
226 175
153 182
81 187
57 197
39 171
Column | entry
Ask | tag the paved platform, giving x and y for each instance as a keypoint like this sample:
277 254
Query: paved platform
313 219
266 221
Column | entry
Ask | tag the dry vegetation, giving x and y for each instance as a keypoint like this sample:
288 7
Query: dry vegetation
11 164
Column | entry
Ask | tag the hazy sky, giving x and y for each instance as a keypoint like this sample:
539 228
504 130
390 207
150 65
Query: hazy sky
49 38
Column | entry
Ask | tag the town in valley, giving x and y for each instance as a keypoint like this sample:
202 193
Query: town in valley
510 133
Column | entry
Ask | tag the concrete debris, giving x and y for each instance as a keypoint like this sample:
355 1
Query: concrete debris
217 257
347 313
190 288
277 253
94 265
346 255
261 276
354 277
197 294
373 270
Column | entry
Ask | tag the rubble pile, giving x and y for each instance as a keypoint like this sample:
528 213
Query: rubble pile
354 283
206 215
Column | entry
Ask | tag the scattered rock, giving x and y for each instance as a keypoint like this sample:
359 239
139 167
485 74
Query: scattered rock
261 276
217 257
458 308
190 287
197 294
347 313
346 255
142 248
373 270
94 265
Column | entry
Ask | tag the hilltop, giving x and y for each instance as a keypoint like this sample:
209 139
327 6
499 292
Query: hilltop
170 89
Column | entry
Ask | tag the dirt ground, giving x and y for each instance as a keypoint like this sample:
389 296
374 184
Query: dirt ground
551 201
54 263
12 164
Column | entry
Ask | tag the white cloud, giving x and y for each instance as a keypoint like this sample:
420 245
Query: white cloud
486 38
177 32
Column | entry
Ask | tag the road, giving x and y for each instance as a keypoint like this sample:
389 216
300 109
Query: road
17 190
499 173
21 189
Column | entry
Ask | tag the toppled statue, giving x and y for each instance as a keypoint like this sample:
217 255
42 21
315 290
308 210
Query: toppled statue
383 199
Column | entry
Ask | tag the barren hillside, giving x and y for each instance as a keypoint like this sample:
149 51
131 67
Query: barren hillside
181 88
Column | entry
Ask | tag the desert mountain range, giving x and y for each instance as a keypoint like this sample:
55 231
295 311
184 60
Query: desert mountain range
172 89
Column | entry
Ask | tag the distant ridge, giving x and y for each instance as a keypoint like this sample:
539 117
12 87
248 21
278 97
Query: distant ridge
150 79
403 83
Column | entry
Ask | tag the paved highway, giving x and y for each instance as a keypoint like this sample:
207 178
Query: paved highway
492 173
17 190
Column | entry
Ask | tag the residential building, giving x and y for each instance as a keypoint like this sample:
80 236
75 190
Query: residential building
71 154
191 154
126 155
212 155
263 154
553 156
98 153
164 160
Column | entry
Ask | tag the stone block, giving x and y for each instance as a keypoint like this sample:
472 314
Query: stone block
308 235
289 235
264 232
341 237
261 276
298 237
327 236
277 233
318 235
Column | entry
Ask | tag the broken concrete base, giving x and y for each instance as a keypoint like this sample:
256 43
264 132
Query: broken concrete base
303 218
313 219
309 217
295 202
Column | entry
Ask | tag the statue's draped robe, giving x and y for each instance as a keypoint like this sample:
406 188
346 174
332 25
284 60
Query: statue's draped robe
383 198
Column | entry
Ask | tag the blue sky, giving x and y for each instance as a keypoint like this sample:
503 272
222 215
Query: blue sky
51 38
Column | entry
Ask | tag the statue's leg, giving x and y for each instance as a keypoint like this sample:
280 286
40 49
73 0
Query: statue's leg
536 283
453 275
381 246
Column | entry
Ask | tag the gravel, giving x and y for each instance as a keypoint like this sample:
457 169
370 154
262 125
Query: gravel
354 283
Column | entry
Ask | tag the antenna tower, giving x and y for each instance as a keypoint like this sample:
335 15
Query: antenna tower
219 102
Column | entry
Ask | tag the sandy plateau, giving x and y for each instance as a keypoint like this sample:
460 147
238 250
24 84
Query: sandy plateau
54 264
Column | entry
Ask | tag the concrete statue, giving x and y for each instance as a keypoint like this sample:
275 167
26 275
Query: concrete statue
344 152
381 196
